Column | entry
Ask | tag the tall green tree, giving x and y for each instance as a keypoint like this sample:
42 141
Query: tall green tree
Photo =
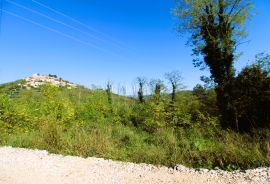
216 27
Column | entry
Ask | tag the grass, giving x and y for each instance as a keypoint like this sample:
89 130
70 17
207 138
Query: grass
82 123
196 147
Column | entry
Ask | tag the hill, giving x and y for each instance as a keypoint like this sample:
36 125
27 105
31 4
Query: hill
37 80
84 122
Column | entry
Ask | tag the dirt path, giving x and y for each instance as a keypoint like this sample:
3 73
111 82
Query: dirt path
22 166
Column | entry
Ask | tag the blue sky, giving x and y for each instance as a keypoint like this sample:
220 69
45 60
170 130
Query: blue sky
93 41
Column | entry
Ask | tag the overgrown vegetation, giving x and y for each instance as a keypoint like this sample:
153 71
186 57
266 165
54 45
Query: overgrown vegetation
216 26
227 125
99 123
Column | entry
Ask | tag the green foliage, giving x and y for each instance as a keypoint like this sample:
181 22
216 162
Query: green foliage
207 98
11 89
175 80
163 128
10 117
252 98
50 133
96 106
190 13
58 109
141 82
216 27
83 122
148 116
109 92
262 60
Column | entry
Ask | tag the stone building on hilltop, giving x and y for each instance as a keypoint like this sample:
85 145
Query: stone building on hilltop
37 80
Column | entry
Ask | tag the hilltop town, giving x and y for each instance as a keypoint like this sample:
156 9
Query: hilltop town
37 80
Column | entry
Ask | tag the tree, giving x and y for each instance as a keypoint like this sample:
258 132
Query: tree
157 87
141 81
109 92
53 76
216 27
252 95
175 80
199 92
207 98
262 60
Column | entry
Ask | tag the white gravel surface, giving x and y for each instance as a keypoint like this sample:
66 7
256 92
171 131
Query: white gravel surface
22 166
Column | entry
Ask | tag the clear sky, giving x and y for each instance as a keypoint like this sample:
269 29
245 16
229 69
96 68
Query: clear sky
93 41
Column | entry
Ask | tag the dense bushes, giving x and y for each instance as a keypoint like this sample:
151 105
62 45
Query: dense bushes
83 122
252 97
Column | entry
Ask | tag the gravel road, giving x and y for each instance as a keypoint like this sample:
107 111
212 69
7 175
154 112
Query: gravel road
22 166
